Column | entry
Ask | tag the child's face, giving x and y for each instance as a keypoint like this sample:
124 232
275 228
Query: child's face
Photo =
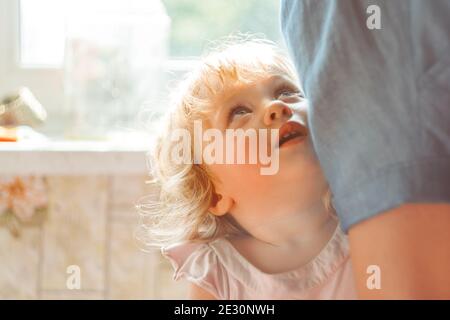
251 198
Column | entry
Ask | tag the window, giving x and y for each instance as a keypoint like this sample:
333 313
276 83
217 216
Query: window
41 33
193 24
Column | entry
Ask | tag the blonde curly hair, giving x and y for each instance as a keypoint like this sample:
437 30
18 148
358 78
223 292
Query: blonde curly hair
179 209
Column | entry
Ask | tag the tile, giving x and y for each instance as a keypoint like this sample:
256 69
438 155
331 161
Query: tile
19 264
72 295
130 274
75 231
134 274
125 213
126 191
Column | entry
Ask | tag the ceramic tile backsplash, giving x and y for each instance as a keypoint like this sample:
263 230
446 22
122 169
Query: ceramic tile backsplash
90 224
126 190
131 274
75 232
19 264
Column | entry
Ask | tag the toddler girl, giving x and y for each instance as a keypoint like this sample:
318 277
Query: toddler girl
231 231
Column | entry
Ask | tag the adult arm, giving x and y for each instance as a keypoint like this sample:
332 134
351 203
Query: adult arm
379 120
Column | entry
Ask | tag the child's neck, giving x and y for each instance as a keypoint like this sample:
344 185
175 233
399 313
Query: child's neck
288 243
297 230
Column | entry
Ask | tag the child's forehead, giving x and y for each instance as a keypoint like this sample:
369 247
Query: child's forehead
221 83
234 87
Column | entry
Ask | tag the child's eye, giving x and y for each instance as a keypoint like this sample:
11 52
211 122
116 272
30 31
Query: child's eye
237 112
289 92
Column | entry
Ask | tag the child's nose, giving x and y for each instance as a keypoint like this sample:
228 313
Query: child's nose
276 111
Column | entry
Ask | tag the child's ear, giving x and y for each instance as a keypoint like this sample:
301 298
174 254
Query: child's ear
220 204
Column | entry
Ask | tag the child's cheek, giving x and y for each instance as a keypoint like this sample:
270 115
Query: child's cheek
239 180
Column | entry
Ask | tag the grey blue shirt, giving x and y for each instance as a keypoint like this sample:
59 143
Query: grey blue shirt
380 99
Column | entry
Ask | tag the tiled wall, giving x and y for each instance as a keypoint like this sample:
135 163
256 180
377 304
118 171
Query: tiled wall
90 223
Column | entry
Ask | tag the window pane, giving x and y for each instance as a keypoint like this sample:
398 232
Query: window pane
43 24
41 32
195 22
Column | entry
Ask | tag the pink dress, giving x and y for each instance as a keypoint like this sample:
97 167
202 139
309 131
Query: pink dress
221 270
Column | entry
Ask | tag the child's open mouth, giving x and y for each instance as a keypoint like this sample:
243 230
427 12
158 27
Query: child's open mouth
292 132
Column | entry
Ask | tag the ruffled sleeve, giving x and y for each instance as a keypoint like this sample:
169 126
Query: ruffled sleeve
199 264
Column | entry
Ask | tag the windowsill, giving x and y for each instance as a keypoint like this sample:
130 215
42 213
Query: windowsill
62 157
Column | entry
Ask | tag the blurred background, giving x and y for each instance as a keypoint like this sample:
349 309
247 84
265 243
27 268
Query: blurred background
82 85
